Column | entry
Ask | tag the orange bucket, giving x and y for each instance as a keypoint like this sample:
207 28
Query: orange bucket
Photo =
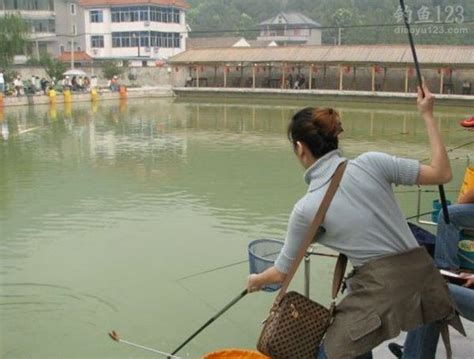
123 92
235 354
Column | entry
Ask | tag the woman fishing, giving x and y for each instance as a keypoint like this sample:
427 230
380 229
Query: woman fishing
392 275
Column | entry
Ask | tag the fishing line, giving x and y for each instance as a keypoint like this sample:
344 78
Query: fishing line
242 262
451 150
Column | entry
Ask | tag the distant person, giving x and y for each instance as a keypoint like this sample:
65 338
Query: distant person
33 82
113 84
2 82
66 83
37 83
30 88
461 216
466 88
290 82
44 85
74 85
86 84
189 81
18 85
80 83
93 82
423 342
300 81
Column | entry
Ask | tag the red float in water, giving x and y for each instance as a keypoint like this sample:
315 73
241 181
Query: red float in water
468 122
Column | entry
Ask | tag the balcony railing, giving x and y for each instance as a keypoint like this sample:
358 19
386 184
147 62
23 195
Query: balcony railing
44 36
30 14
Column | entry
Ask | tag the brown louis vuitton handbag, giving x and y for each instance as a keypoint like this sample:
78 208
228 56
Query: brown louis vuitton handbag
296 325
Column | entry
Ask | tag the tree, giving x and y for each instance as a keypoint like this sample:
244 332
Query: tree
53 67
111 69
13 37
233 17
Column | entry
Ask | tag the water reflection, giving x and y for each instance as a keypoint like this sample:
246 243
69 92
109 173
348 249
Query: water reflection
98 198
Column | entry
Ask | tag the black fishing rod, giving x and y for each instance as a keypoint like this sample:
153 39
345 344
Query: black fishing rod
442 195
205 325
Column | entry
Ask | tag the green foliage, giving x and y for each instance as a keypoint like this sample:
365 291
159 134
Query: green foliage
111 69
53 67
13 36
241 17
9 75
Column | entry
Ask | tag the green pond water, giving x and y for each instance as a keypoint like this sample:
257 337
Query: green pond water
109 212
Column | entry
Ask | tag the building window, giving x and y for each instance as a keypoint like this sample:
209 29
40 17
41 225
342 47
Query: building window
145 13
62 49
146 39
97 41
72 7
165 39
74 30
96 16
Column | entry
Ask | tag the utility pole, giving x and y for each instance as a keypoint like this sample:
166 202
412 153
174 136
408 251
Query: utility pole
35 36
72 52
339 33
137 38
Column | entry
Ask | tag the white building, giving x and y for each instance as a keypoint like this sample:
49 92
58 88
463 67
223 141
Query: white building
40 18
290 28
134 29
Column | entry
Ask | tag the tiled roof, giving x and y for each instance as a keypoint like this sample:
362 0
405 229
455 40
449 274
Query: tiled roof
210 42
397 55
107 3
79 56
291 18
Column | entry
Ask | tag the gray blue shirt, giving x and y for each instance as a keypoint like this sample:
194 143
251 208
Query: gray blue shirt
364 220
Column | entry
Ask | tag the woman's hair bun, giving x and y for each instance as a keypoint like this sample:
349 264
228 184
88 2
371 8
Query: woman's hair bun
317 127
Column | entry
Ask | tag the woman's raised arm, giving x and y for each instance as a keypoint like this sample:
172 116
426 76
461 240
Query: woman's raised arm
439 170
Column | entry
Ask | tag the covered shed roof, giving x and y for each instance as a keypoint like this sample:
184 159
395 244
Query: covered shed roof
395 55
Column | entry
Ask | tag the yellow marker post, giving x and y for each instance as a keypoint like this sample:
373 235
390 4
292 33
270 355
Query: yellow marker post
67 109
52 96
94 95
52 113
95 107
67 96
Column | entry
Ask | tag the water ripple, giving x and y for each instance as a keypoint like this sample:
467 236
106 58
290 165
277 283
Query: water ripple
37 296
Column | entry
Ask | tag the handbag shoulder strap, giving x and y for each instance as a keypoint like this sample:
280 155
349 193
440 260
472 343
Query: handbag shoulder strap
318 219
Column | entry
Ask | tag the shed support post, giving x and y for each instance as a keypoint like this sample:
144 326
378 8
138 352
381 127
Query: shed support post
441 81
373 78
283 75
225 76
253 76
407 70
197 76
340 77
310 83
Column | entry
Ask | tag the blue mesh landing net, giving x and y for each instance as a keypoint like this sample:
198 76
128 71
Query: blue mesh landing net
262 255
